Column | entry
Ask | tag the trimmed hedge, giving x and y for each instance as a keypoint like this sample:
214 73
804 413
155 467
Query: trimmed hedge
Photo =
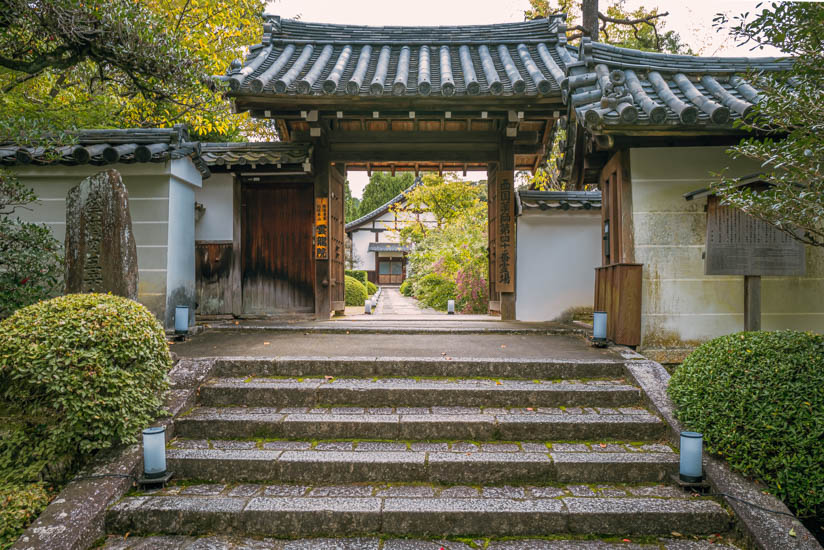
758 398
78 373
355 292
371 288
407 287
435 290
358 274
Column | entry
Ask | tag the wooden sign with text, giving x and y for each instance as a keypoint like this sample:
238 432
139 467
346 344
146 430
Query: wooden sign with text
321 228
505 258
739 244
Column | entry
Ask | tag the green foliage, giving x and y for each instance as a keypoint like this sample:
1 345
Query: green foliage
119 63
355 292
371 288
31 267
407 287
435 290
20 504
788 120
453 246
639 29
78 373
382 188
758 398
358 274
351 205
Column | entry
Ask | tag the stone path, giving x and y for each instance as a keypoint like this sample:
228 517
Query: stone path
392 302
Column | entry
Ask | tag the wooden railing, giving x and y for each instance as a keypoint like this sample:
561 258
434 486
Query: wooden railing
618 292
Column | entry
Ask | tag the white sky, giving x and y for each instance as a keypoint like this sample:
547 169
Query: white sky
692 19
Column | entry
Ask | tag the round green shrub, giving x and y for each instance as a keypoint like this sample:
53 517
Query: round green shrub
435 290
758 398
78 373
21 504
407 287
371 288
355 292
358 274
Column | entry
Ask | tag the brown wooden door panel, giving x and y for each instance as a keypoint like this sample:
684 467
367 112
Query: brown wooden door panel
278 266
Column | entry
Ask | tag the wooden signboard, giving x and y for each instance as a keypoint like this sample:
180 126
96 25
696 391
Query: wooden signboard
505 257
321 228
739 244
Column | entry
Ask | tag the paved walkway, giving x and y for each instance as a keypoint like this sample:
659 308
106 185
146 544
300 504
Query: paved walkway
392 302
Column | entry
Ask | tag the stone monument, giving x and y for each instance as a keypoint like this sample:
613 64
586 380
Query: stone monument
101 255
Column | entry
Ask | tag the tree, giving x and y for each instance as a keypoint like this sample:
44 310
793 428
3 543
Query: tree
351 205
788 121
382 188
639 29
66 64
31 267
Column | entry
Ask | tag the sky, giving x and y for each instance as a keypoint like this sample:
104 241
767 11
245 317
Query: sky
692 19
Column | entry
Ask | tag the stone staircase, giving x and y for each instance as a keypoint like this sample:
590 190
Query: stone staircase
391 453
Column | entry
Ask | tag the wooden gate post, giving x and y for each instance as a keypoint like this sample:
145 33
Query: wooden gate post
323 275
505 242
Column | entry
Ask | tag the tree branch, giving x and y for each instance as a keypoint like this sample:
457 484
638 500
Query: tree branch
648 19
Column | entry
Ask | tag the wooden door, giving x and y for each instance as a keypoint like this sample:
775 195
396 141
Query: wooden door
278 266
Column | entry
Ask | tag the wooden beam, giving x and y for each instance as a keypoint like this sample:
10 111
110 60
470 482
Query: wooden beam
237 249
461 156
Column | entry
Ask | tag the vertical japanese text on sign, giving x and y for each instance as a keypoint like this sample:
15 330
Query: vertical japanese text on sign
322 228
504 259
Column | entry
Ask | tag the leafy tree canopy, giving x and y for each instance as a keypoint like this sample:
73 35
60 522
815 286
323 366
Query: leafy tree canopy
640 29
351 205
66 64
790 115
382 188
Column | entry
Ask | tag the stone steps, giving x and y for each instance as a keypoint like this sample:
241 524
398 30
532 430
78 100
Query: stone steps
395 392
223 542
446 367
411 510
420 424
380 461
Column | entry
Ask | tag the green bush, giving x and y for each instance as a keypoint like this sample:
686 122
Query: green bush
407 287
78 373
358 274
355 292
758 398
19 506
435 290
371 288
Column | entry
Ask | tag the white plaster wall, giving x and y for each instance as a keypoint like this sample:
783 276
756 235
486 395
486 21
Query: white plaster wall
556 256
680 305
216 196
148 187
360 245
180 270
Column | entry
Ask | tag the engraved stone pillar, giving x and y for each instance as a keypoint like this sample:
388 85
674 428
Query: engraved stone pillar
101 255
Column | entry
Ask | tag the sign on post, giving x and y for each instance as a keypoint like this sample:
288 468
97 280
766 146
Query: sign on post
321 228
739 244
505 258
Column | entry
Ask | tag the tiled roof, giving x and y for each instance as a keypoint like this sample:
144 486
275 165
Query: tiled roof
388 247
102 147
253 154
556 201
300 58
612 86
382 209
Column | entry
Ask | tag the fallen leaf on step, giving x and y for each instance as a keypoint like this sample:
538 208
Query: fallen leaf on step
676 534
329 377
792 532
265 343
237 322
603 445
529 408
627 540
503 345
498 383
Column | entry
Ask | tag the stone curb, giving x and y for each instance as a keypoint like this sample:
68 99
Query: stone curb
761 529
396 330
75 519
